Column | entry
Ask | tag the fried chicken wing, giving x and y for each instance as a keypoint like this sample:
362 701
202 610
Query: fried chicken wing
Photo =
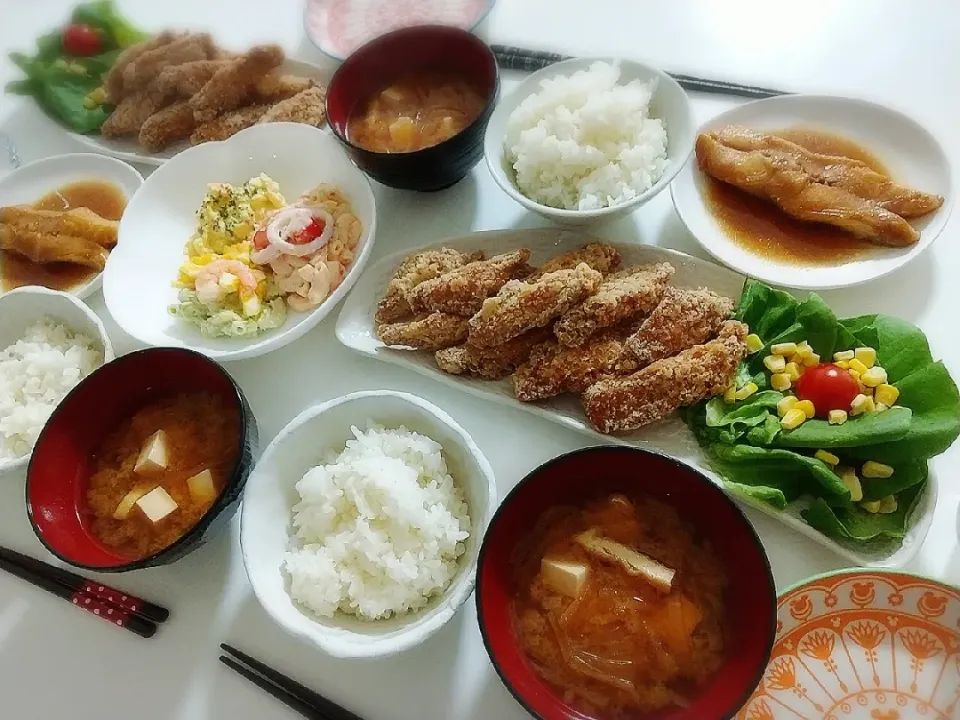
187 79
129 116
426 332
307 107
600 256
490 363
227 125
621 296
854 176
522 306
274 88
80 222
683 318
621 404
232 85
113 78
461 291
781 179
414 270
167 126
146 68
44 248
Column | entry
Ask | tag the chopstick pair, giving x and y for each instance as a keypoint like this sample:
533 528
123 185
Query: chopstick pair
288 691
115 606
516 58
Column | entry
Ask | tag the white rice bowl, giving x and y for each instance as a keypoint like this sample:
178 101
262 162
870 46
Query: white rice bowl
585 142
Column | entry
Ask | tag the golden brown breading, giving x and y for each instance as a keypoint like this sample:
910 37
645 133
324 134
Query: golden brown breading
461 291
600 256
683 318
80 222
168 126
490 363
621 404
426 332
621 296
148 66
308 108
132 112
113 78
522 306
414 270
232 85
187 79
228 124
274 88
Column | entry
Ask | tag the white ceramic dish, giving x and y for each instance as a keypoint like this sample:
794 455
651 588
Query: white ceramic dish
338 28
270 494
356 330
913 156
21 308
130 150
138 281
30 182
669 102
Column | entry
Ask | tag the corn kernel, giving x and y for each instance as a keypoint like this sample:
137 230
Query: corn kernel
886 394
792 371
746 391
848 477
842 364
786 404
843 356
827 457
780 382
729 395
858 366
862 404
811 360
754 343
793 419
881 407
888 505
807 407
803 347
774 363
803 350
788 348
872 507
873 469
837 417
874 377
866 355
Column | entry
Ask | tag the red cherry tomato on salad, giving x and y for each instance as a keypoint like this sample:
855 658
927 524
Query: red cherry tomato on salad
81 41
260 241
310 233
828 387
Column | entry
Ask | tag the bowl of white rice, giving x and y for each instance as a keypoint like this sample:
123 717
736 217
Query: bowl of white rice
362 522
590 139
49 342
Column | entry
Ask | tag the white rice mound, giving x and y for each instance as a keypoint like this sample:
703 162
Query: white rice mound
584 142
379 528
36 373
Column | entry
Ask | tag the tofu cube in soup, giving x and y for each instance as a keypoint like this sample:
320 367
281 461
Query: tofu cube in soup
153 457
157 504
563 576
201 487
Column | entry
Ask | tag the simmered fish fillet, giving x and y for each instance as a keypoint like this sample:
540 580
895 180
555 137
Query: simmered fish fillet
79 222
43 248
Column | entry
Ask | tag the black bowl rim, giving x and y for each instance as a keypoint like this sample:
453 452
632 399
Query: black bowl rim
713 487
482 118
161 557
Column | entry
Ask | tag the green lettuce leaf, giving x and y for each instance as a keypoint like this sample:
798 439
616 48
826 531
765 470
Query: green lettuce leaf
858 525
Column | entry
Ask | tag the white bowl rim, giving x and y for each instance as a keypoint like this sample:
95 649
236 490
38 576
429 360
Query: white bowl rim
102 336
454 597
530 84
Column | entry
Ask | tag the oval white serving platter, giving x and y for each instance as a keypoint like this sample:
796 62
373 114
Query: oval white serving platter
356 329
129 149
912 154
30 182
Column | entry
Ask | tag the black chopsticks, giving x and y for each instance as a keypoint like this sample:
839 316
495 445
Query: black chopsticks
115 606
294 695
516 58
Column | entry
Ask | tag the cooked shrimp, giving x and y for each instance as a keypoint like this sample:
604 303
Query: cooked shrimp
209 285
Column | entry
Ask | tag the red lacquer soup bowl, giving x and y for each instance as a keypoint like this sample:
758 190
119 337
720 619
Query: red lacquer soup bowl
595 473
60 468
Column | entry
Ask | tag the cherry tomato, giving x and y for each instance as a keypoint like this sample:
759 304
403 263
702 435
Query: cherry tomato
81 41
260 241
828 387
310 233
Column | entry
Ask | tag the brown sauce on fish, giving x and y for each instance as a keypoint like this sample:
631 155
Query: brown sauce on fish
103 198
761 227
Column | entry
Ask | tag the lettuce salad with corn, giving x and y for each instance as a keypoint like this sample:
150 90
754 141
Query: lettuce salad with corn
857 464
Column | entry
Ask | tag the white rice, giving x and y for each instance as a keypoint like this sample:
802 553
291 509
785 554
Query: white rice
36 372
379 528
584 142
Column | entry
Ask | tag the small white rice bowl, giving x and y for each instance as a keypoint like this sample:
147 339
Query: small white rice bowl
585 142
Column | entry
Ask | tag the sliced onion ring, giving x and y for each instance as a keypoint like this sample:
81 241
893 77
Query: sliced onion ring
294 219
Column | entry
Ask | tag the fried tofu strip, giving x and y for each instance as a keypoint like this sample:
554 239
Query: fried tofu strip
622 295
490 363
522 306
227 125
232 85
461 291
42 248
307 107
133 111
601 257
414 270
621 404
427 332
187 79
683 318
167 126
146 68
79 222
274 88
113 78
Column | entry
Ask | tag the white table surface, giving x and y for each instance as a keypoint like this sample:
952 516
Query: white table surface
56 662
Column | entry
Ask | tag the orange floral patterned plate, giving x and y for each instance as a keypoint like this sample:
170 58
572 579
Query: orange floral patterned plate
863 645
